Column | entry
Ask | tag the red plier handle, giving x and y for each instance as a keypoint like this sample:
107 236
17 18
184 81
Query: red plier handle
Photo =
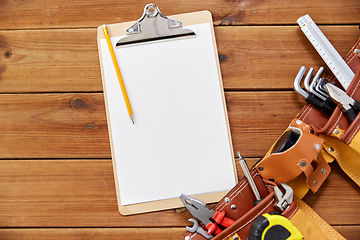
220 219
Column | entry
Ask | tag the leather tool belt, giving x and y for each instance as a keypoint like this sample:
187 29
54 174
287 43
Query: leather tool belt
305 166
238 205
341 139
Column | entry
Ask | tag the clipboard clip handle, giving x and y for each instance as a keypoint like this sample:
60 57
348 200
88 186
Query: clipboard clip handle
153 26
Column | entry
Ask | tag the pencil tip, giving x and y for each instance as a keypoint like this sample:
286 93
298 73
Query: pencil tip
132 119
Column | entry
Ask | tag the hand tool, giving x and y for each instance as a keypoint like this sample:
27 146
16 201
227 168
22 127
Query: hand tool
283 200
349 106
325 106
320 87
315 85
307 79
197 228
310 87
273 226
328 53
250 180
209 217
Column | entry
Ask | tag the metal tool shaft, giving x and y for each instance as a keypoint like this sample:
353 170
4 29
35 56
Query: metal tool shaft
248 177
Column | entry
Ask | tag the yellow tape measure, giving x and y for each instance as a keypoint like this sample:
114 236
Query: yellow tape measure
273 226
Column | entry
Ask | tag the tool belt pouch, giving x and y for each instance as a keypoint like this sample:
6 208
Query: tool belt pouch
296 158
238 205
341 140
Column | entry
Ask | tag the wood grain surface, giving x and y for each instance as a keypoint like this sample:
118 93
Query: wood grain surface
56 177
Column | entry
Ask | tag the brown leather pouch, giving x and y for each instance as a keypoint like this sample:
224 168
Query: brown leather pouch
238 205
301 157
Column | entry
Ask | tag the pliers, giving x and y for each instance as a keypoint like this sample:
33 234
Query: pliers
209 217
348 106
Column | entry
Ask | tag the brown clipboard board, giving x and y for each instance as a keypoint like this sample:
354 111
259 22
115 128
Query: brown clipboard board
164 204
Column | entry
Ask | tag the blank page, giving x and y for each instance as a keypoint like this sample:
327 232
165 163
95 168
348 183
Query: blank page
180 141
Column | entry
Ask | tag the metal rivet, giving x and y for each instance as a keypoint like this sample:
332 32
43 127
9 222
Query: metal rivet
356 51
317 146
187 238
233 206
323 170
303 163
227 199
315 183
235 238
261 168
336 131
298 122
331 150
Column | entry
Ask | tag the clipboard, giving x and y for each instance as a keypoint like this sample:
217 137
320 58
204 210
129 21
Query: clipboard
180 141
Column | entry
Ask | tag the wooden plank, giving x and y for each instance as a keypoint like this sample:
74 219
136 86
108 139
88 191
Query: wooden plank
67 193
81 193
74 125
349 232
53 125
256 57
250 57
74 14
49 61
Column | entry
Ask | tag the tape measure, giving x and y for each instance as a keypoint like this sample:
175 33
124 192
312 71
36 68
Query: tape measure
273 226
328 53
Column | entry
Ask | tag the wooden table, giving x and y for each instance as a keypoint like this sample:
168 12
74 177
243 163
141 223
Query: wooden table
56 178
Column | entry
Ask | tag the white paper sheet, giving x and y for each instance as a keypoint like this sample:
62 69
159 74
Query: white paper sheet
179 142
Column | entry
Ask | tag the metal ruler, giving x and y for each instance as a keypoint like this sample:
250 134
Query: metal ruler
328 53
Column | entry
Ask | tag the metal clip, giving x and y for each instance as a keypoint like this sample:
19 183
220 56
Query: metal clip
153 26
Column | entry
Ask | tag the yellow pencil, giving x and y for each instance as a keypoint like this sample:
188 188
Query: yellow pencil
117 69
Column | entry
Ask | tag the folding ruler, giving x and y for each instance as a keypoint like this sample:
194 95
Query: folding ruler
328 53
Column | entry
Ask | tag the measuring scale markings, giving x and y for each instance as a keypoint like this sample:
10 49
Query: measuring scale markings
327 52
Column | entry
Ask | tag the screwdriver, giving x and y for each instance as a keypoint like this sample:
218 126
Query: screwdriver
249 178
